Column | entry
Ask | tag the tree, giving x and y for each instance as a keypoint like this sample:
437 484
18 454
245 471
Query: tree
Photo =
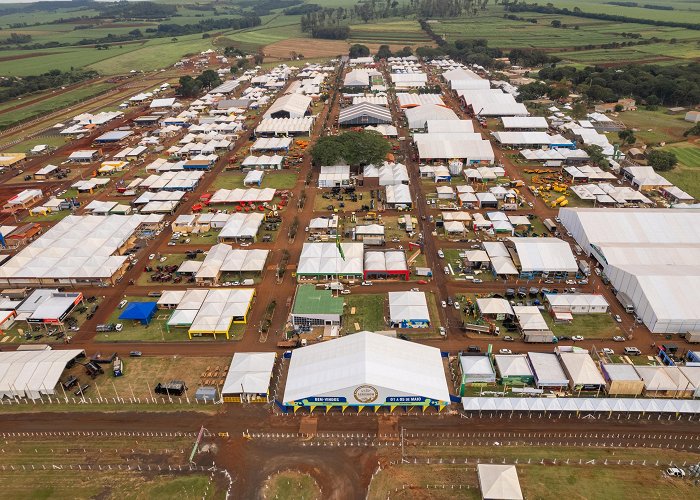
359 50
558 92
595 154
556 23
694 130
209 79
579 111
627 136
384 52
533 90
353 148
661 161
189 87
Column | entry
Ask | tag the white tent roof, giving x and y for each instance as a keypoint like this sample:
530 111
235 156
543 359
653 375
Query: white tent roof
512 365
499 482
294 104
493 102
524 122
33 373
494 305
408 306
581 368
547 370
418 116
249 373
393 366
325 259
623 405
544 255
285 125
391 260
398 194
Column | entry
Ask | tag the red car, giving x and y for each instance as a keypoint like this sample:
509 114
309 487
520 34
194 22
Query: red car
422 282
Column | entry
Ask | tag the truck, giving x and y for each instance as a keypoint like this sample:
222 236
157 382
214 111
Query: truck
488 329
550 225
692 337
626 301
584 267
248 282
117 367
539 337
291 343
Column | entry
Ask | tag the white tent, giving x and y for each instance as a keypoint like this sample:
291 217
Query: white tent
499 482
249 373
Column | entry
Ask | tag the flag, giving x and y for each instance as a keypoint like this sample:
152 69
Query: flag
338 246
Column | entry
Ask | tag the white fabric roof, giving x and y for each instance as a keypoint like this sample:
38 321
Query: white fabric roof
271 144
324 259
418 116
494 305
581 368
407 100
493 102
499 482
393 366
663 378
238 195
512 365
285 125
294 104
623 405
398 194
212 310
242 225
530 318
547 370
249 373
390 260
33 373
544 255
76 247
524 122
407 306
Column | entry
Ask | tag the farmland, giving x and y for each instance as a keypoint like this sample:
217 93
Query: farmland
391 33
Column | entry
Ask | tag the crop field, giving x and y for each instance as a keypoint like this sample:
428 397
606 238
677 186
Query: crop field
49 105
395 32
686 10
655 127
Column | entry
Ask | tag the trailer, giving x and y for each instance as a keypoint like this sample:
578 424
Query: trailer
692 337
626 301
584 267
488 329
117 367
539 337
550 225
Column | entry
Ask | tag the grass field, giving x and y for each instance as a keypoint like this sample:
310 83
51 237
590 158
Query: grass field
392 33
369 312
276 180
654 127
590 326
291 485
686 175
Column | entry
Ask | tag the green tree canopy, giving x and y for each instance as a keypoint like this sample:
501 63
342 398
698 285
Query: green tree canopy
595 153
353 148
384 52
359 50
662 160
189 87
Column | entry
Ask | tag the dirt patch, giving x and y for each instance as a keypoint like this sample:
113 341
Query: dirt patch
308 47
26 56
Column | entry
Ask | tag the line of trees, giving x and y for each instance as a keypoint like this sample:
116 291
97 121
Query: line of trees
576 12
191 87
649 84
12 87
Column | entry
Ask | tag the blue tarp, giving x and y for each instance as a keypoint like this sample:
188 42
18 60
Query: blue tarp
139 311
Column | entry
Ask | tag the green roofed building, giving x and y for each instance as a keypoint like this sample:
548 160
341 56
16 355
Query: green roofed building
314 307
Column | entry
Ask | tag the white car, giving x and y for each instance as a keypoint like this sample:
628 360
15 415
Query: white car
608 351
152 256
187 240
618 318
118 327
171 243
345 292
245 244
443 304
570 282
367 283
619 338
415 289
477 280
441 254
443 332
163 259
577 338
675 472
505 351
457 305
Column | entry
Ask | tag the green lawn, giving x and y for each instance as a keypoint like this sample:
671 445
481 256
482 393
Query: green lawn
686 175
654 127
369 312
275 180
291 485
590 326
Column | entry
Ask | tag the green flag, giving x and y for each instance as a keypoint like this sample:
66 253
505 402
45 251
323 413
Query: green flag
337 244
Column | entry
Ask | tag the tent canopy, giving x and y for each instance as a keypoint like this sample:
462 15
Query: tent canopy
139 311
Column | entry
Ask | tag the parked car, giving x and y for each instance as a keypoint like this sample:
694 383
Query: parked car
441 254
618 318
505 351
345 292
443 304
632 351
508 338
608 351
619 338
577 338
473 348
443 332
675 472
367 283
123 303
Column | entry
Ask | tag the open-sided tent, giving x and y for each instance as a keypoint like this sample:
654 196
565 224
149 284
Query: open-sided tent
142 312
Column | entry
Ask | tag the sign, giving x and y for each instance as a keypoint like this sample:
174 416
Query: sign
327 399
366 394
406 399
